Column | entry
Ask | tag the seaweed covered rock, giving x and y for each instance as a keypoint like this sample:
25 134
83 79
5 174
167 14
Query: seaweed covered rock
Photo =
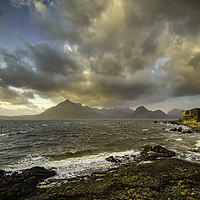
149 152
113 159
22 184
154 152
161 179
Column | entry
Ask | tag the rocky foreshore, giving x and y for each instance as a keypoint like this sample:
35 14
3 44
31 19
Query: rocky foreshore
154 174
19 185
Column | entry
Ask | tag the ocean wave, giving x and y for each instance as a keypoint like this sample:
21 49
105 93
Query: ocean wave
197 143
70 167
85 165
73 154
28 162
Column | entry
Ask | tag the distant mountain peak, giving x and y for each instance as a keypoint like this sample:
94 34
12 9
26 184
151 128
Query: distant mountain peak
142 112
141 108
67 101
175 113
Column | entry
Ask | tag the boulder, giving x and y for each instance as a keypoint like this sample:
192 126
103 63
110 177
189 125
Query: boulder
20 185
163 151
149 152
113 159
154 152
2 172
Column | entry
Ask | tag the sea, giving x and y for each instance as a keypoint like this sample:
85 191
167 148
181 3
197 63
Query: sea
79 147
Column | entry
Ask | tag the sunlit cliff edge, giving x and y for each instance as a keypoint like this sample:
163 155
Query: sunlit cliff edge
191 118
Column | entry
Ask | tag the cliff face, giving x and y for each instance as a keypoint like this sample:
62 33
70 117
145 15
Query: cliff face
191 116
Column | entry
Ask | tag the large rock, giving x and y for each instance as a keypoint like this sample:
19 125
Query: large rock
154 152
191 116
149 152
22 184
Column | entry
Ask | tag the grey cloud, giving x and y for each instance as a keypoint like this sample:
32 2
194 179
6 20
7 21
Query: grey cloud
39 68
51 60
118 44
195 61
29 94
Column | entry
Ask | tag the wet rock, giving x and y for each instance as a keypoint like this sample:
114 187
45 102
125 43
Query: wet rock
173 129
22 184
160 179
154 152
2 172
180 129
149 152
187 131
113 159
147 148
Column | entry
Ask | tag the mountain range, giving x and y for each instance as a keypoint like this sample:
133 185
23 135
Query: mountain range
71 110
142 112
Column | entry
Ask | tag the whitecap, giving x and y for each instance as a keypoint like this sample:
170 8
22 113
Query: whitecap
178 139
145 162
197 143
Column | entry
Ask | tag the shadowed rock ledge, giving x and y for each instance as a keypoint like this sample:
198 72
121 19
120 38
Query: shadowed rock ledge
19 185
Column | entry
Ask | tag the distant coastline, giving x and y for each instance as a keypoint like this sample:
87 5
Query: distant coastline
70 110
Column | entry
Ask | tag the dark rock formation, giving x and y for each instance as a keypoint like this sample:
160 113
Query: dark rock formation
162 179
154 152
148 153
22 184
113 159
2 172
191 116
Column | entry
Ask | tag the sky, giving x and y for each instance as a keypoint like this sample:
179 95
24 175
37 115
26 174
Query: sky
101 53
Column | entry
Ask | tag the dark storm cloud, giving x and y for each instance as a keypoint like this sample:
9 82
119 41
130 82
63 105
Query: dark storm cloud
113 51
51 61
39 67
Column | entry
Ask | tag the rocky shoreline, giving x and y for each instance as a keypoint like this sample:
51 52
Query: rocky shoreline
194 125
154 174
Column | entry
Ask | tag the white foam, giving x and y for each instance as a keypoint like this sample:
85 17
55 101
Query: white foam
27 162
85 165
145 162
197 143
70 167
193 156
178 139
